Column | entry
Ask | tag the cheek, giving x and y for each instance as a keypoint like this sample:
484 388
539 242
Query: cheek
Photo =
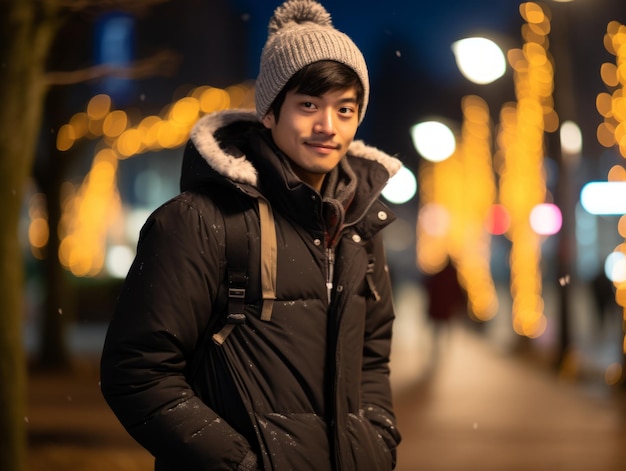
349 131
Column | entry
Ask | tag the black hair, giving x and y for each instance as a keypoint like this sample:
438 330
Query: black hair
318 78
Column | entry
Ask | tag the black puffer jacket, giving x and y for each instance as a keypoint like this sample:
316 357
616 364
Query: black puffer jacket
307 389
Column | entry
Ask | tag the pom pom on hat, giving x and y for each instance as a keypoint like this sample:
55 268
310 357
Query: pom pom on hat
300 33
298 12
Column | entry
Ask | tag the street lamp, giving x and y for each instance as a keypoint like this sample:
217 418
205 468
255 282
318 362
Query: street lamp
480 60
571 140
401 187
433 140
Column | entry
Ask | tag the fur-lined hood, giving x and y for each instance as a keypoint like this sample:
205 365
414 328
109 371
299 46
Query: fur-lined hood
239 169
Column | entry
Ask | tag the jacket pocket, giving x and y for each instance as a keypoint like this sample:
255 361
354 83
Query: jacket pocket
294 442
368 448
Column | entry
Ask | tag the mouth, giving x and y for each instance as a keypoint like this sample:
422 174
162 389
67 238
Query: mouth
322 147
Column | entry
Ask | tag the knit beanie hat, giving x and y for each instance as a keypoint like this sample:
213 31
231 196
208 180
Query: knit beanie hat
300 33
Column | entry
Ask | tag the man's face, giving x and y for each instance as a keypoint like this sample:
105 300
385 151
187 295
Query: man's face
315 131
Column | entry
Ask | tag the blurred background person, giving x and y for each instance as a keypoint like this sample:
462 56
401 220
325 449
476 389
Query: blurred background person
446 300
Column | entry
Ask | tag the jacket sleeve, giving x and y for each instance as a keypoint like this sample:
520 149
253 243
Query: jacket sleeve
161 312
375 385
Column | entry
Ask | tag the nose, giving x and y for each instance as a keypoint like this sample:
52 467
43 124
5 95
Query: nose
325 123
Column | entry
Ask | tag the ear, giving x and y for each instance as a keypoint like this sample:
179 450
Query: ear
268 120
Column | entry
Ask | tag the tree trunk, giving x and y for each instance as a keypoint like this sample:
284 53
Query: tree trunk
49 173
26 31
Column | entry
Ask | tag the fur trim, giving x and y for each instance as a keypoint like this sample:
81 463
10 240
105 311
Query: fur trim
202 135
360 149
241 170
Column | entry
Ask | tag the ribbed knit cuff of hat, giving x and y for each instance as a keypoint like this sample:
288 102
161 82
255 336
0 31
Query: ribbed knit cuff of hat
300 33
249 462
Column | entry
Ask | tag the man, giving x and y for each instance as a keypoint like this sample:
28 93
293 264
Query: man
301 382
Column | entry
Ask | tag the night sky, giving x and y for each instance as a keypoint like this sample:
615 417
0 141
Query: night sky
426 27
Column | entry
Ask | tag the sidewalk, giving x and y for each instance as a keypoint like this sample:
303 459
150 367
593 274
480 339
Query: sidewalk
70 427
480 410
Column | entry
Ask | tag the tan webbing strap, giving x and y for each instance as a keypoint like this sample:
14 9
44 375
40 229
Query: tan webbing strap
220 337
269 255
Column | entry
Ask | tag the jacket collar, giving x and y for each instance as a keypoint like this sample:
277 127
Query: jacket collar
229 162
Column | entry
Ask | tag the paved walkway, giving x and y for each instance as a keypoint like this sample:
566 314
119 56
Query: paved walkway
481 410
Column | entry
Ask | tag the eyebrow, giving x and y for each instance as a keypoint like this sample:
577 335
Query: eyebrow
348 100
351 100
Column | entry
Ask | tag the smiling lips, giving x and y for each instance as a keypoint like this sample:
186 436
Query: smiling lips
321 147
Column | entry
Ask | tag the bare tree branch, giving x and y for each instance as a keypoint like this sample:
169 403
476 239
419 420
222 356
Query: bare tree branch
163 63
127 5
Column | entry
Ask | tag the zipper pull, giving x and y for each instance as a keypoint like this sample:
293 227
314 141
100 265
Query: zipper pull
330 272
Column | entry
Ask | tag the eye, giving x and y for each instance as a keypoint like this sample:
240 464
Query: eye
347 110
308 105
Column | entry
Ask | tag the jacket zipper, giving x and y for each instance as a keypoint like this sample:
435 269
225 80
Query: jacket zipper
330 272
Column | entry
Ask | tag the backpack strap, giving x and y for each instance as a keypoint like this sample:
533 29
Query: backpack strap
269 249
236 234
237 263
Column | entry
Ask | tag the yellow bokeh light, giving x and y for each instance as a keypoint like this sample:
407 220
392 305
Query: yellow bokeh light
80 123
551 121
65 248
619 39
605 135
238 95
608 44
455 195
214 99
86 208
95 127
79 260
98 107
539 29
520 165
613 27
149 131
621 226
529 8
608 72
129 143
38 232
169 135
617 173
198 91
620 296
532 12
604 104
618 109
516 59
620 132
102 176
433 260
115 123
185 111
65 137
535 54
